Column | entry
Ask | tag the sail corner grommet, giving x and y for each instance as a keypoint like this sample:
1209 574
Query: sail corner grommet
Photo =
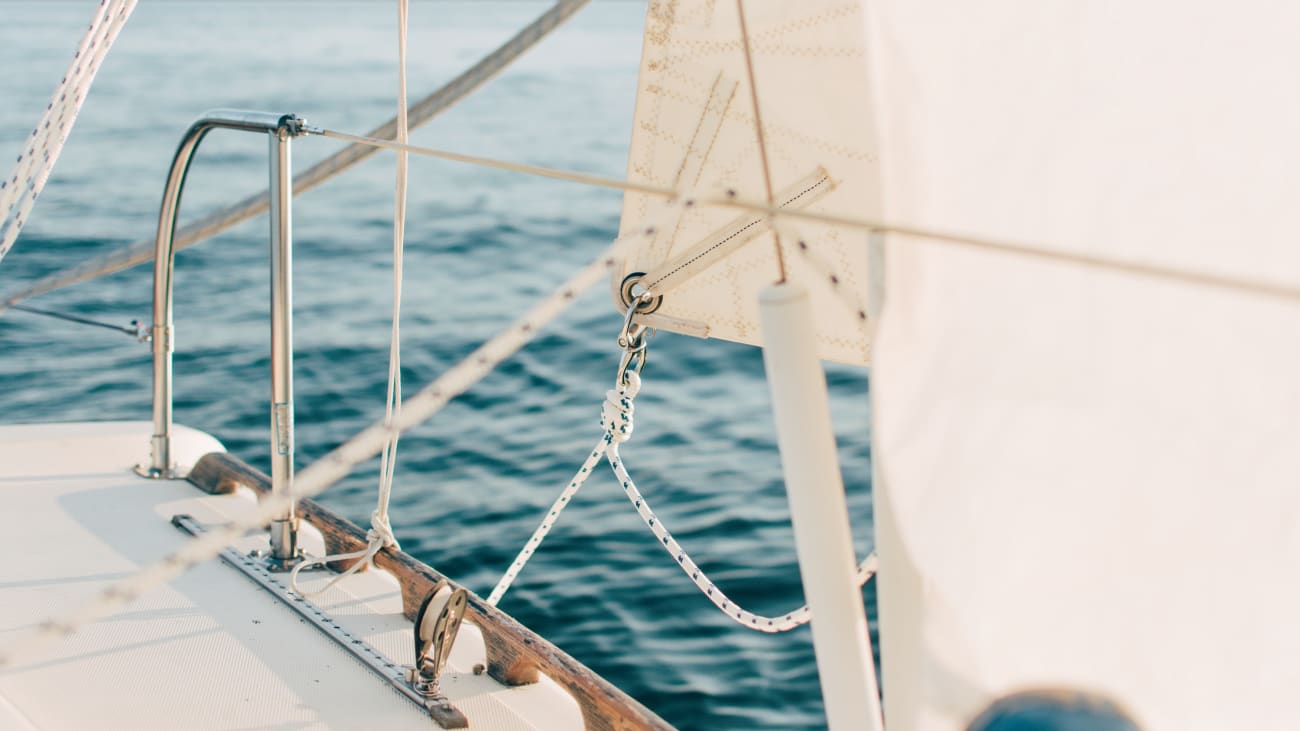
632 291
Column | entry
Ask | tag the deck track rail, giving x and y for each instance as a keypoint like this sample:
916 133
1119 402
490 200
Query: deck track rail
515 654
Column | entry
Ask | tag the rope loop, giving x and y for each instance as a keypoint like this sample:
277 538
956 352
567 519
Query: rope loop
364 560
616 412
382 531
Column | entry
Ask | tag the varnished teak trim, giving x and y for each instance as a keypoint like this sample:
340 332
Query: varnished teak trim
516 655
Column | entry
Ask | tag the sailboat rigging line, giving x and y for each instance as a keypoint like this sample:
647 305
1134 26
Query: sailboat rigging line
382 530
137 331
381 535
545 172
332 467
616 417
214 223
1154 271
762 143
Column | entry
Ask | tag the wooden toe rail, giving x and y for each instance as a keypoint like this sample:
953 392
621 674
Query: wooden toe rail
515 654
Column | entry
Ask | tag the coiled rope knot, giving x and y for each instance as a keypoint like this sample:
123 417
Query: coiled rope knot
616 412
379 537
381 531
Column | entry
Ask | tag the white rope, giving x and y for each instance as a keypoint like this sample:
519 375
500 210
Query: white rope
616 417
365 556
566 496
380 535
380 528
40 151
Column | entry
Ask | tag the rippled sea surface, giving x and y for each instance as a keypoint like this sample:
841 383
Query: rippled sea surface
481 247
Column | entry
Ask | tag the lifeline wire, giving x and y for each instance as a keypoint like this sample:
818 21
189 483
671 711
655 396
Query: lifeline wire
41 149
1033 251
380 535
616 417
139 332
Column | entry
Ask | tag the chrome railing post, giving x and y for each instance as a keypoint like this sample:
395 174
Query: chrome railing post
284 530
281 128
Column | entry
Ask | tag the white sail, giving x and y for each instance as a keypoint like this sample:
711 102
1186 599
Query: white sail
695 131
1091 478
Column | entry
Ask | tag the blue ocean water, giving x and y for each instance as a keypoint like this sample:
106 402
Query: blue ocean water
481 246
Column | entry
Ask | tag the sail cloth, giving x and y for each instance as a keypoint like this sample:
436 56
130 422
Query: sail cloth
694 131
1092 478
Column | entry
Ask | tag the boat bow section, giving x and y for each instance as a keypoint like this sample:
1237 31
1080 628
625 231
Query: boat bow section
211 649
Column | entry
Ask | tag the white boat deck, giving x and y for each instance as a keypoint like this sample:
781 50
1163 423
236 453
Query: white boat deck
212 650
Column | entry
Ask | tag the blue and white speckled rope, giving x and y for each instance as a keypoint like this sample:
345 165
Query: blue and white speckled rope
552 515
616 417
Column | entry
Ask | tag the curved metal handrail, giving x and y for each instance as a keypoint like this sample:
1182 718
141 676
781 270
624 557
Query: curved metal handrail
281 128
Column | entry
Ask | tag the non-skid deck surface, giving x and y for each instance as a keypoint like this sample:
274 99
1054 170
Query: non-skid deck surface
212 649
